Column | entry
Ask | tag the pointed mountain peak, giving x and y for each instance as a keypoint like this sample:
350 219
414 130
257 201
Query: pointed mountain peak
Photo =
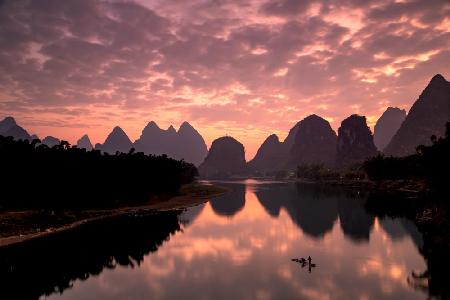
84 142
152 124
438 79
6 124
117 140
186 124
151 129
118 130
273 138
186 127
9 120
171 129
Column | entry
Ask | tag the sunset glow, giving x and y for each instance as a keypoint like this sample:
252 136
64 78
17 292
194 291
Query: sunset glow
241 68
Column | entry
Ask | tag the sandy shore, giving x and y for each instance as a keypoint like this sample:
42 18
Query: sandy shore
16 227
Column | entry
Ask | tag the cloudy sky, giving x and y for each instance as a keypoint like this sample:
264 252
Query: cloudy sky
246 68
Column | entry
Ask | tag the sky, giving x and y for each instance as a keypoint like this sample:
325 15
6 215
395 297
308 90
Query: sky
245 68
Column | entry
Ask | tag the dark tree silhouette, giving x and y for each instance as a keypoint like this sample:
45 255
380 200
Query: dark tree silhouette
36 176
429 163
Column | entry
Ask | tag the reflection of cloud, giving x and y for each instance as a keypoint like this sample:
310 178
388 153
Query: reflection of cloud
247 256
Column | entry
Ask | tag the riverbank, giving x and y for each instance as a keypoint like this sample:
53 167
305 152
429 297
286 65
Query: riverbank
410 188
19 226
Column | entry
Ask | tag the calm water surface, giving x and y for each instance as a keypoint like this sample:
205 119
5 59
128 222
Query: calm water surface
240 246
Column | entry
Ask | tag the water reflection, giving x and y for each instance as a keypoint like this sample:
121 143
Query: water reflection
230 203
316 208
355 222
238 246
52 264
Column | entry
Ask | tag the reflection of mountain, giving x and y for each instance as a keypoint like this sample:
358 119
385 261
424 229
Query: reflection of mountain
316 208
275 196
189 215
231 202
51 264
355 222
400 228
309 206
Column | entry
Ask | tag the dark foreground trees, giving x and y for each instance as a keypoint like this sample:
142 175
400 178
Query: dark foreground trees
35 176
431 163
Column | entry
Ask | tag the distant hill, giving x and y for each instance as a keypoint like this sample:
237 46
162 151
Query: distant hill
85 143
355 141
192 146
185 144
387 125
310 141
155 140
9 127
50 141
290 139
315 143
117 140
226 157
6 124
426 117
271 156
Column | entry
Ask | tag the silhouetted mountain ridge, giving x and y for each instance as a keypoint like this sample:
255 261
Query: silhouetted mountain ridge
185 144
117 140
271 156
225 157
9 127
387 125
50 141
427 117
315 143
85 143
355 141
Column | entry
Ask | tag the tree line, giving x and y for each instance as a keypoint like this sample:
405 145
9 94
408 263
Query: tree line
34 175
430 163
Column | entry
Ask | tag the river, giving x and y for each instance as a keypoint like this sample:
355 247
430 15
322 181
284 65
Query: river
241 245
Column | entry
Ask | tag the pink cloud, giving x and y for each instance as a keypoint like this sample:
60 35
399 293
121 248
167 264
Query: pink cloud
247 68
